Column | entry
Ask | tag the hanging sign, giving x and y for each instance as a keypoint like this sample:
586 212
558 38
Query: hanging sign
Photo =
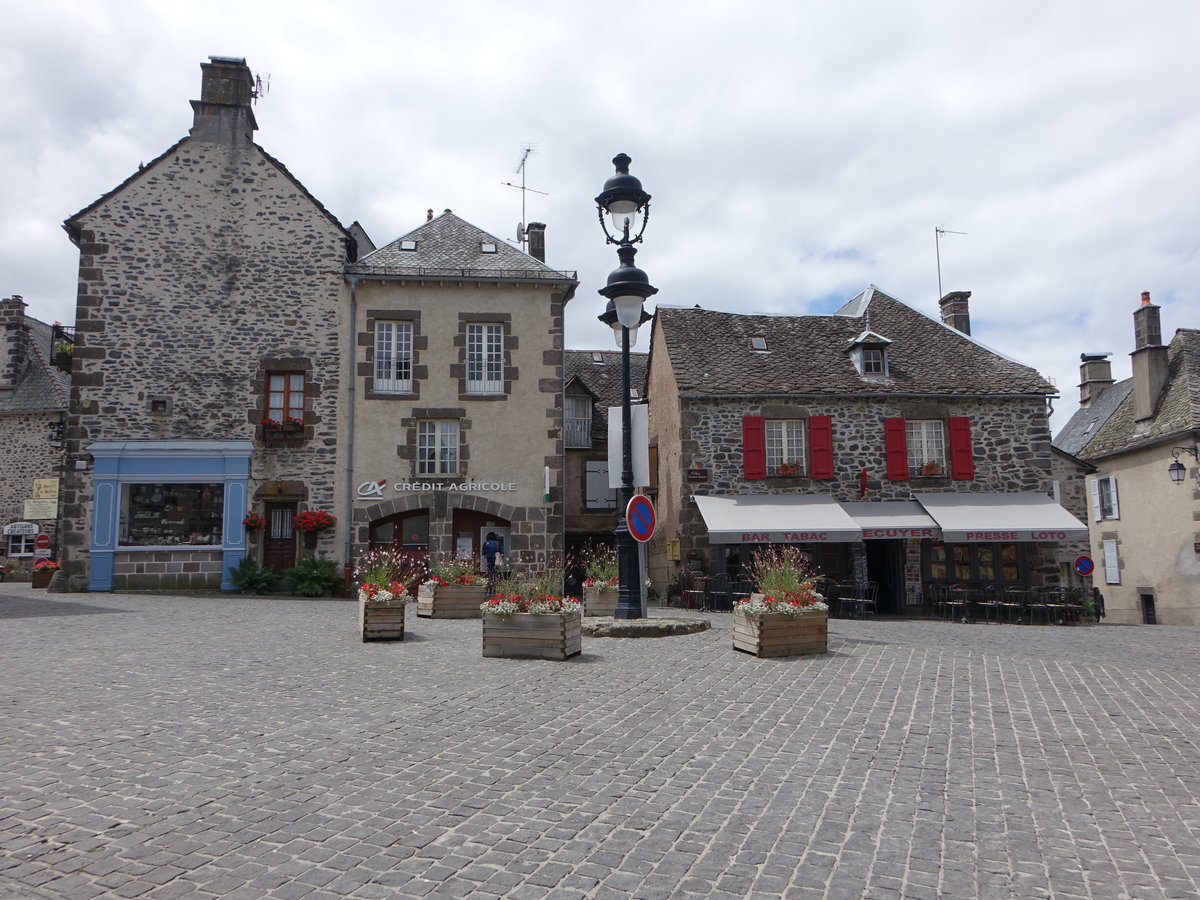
21 528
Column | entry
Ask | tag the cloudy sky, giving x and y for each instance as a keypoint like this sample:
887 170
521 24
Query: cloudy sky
796 151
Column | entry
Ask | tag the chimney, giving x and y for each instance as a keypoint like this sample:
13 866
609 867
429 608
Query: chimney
1149 359
429 215
14 341
535 233
1095 374
223 114
956 311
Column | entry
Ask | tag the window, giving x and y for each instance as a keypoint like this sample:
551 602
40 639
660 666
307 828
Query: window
926 440
989 563
161 514
21 544
598 495
758 343
1104 499
577 420
285 396
785 446
437 447
485 358
393 357
872 361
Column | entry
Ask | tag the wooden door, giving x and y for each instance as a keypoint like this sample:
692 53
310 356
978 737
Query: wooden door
279 544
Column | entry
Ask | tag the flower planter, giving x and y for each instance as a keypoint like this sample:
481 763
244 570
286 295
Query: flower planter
530 636
776 634
450 601
599 601
41 577
381 621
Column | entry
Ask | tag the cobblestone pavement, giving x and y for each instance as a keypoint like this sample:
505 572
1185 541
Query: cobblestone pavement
231 747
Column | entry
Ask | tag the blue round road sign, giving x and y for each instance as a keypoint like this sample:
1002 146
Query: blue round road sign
1084 565
640 518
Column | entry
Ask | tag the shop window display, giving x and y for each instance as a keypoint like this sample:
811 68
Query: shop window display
158 515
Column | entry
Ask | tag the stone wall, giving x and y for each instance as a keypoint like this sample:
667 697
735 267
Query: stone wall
207 269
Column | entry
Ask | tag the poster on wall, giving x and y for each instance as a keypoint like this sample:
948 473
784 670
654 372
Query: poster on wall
45 489
41 509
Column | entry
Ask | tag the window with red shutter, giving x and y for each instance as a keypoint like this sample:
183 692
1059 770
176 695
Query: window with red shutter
754 448
962 456
820 442
896 443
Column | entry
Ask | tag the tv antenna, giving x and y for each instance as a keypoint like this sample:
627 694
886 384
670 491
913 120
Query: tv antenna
262 87
938 231
526 150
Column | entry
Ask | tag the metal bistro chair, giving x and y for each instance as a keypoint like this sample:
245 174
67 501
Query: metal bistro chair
740 588
719 597
693 595
958 603
851 599
870 598
1012 603
988 604
1057 611
1037 607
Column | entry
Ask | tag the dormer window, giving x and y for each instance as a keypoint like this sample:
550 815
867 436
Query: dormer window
870 354
758 343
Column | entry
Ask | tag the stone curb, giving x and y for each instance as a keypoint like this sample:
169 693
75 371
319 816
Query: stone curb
607 626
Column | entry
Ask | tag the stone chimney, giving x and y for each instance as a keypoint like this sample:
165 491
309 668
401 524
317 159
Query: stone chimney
14 341
1149 359
956 311
535 233
223 114
1095 374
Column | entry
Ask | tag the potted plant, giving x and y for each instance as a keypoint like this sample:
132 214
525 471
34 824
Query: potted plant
931 468
253 521
312 522
788 617
454 590
528 619
43 570
385 577
601 579
292 424
791 468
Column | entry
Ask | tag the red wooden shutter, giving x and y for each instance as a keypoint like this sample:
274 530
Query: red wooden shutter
754 448
962 457
820 447
896 441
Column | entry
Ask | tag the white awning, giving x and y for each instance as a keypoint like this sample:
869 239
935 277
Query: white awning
776 519
892 519
988 518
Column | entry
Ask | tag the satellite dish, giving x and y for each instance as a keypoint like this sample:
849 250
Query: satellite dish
520 232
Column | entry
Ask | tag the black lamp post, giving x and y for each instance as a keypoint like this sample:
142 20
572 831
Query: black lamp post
628 207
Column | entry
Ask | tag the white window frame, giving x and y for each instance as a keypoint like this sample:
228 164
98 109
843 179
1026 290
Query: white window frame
437 447
393 357
1112 562
18 541
597 493
485 358
577 421
1105 504
786 443
874 361
926 440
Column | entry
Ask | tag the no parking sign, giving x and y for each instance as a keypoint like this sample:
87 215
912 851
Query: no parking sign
640 518
1084 566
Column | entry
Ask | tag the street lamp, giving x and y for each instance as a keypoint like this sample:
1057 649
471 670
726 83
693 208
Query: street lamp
628 287
1178 470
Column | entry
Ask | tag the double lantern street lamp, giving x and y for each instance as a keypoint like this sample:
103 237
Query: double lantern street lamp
628 208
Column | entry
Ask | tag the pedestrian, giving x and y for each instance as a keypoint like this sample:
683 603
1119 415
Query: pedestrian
1097 603
491 547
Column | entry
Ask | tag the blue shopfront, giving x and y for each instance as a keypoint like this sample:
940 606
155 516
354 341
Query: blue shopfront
168 514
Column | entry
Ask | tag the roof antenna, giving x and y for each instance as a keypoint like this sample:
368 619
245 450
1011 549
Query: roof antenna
526 150
261 88
938 231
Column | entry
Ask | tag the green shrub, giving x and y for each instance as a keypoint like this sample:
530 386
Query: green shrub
251 578
314 577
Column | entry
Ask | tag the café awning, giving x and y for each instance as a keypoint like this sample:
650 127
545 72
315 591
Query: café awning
991 517
892 519
776 519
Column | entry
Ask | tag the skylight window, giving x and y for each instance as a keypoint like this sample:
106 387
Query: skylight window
408 245
758 343
487 247
597 357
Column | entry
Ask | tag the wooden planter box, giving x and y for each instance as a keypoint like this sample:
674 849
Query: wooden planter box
381 621
41 577
780 635
599 602
450 601
526 636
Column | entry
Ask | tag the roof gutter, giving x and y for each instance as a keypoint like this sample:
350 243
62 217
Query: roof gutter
871 396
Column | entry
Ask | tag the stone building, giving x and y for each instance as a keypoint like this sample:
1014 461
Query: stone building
455 421
1139 435
207 367
890 447
34 392
592 385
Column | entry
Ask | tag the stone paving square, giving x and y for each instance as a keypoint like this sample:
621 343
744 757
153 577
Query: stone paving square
200 747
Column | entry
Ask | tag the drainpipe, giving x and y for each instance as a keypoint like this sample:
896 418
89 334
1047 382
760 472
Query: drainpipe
350 358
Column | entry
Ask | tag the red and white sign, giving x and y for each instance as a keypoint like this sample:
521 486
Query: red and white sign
640 518
42 541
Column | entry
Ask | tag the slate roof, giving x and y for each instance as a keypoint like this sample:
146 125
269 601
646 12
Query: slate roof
41 386
450 247
1178 409
807 355
603 379
1086 421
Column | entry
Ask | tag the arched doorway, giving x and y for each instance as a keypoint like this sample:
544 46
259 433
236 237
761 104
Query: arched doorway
407 531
